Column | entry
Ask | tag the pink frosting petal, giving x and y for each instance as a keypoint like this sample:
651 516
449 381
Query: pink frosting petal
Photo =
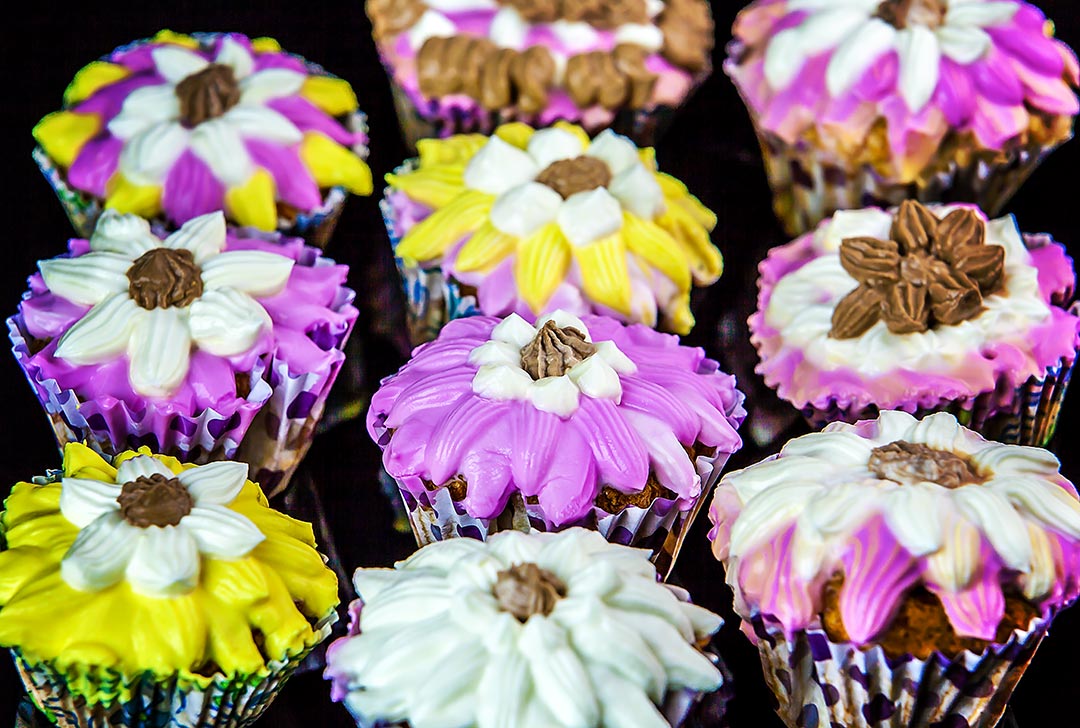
95 164
191 190
295 185
877 573
308 117
622 459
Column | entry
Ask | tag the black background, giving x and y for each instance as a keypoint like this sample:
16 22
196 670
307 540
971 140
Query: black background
710 146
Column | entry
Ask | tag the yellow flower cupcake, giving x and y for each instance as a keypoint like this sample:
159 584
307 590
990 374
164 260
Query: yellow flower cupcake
530 222
143 591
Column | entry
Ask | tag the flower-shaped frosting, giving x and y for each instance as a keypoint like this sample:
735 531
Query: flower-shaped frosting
555 412
547 219
892 504
177 127
540 629
153 300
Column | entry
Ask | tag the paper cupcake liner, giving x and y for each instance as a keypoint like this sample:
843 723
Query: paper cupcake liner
818 682
660 528
72 699
809 183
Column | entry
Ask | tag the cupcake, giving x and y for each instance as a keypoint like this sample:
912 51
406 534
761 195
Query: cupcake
178 126
535 629
898 572
469 66
499 424
920 309
871 103
208 344
528 222
142 592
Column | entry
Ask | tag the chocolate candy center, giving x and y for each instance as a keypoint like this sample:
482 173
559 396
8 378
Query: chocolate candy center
164 277
554 351
526 589
908 463
154 500
570 176
207 94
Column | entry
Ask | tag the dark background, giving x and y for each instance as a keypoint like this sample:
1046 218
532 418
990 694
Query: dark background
710 146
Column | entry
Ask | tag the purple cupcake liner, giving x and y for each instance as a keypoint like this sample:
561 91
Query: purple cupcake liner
818 682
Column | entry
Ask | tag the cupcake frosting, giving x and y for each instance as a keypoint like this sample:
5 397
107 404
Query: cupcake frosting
554 412
526 630
545 220
990 69
905 308
182 126
892 504
142 564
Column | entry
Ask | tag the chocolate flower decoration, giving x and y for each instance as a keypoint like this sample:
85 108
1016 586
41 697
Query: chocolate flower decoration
931 272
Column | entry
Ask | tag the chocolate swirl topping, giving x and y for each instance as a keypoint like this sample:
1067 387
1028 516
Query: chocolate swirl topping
154 500
207 94
580 174
902 13
554 351
689 35
525 589
390 17
908 462
930 273
495 77
602 14
164 277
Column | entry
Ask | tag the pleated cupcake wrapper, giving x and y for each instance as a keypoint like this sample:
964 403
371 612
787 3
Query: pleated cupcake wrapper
1028 417
810 183
819 683
660 528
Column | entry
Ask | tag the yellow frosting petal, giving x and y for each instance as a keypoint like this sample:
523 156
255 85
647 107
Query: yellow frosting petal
516 133
488 247
581 134
126 197
254 203
430 238
332 164
679 318
333 95
676 192
265 45
605 275
706 262
80 461
648 158
63 134
92 77
458 149
433 186
542 261
656 246
180 39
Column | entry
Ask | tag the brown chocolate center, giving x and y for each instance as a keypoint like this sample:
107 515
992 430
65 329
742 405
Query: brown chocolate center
164 277
207 94
580 174
908 462
526 589
154 500
554 351
605 14
902 13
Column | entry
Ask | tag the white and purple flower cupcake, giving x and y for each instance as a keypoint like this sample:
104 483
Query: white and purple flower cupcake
870 102
208 344
469 66
502 424
920 309
178 126
898 573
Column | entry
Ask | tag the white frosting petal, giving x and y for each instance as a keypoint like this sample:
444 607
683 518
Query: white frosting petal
844 224
140 466
215 483
233 54
176 63
165 561
102 334
514 330
143 108
982 14
589 216
920 65
149 156
638 191
953 566
620 362
257 273
126 235
1046 502
557 395
221 532
595 378
963 44
616 150
648 36
508 29
502 382
432 24
100 554
227 322
784 58
576 36
219 144
256 122
86 279
824 30
205 236
160 351
269 84
551 145
83 501
855 55
498 167
495 352
992 514
525 209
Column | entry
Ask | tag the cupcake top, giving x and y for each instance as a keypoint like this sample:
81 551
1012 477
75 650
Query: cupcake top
190 321
891 506
142 564
552 60
534 629
906 308
542 220
559 413
178 126
989 69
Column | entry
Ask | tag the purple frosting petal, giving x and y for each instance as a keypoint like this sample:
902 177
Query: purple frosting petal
295 185
95 165
191 190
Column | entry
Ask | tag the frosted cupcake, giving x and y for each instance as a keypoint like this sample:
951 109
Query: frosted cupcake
528 222
139 591
898 572
920 309
205 345
558 630
177 126
469 66
500 424
870 103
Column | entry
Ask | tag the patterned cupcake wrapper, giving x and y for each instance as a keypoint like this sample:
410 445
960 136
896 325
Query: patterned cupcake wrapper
1028 417
810 183
819 683
660 528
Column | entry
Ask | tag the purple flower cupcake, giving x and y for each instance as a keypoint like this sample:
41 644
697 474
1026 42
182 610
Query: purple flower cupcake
864 102
920 309
205 345
500 424
177 126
